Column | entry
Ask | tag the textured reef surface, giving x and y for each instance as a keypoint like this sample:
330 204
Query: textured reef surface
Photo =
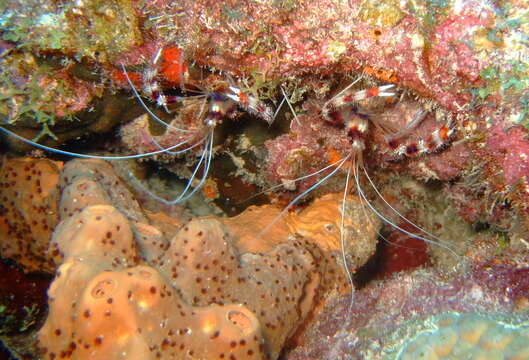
262 255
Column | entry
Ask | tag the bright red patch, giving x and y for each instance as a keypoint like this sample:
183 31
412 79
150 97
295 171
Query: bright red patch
443 133
173 66
403 252
119 77
372 92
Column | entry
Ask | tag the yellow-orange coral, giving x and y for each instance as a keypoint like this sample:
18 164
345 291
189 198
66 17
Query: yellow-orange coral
317 229
382 74
207 268
319 223
131 312
90 182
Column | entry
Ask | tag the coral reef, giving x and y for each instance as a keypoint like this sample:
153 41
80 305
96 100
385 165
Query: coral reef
82 30
461 65
34 89
467 62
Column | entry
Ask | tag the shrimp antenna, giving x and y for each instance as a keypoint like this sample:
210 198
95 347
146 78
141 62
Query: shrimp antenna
85 156
342 237
290 106
149 111
206 156
342 91
398 213
392 224
293 180
300 196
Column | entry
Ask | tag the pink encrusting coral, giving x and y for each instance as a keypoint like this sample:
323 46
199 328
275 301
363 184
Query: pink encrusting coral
510 150
438 49
391 315
311 145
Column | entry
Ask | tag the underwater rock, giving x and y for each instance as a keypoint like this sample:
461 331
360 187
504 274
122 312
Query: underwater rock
471 335
464 61
86 29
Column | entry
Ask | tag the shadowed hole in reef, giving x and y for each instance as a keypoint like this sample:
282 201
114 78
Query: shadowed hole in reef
371 269
91 130
434 185
88 144
23 308
4 353
395 252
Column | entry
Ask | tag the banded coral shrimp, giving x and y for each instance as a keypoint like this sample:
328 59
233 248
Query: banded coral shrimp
336 146
200 105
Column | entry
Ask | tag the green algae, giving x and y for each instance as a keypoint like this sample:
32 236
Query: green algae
429 12
29 101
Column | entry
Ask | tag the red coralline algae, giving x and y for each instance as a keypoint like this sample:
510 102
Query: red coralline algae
401 252
381 309
509 149
430 47
496 190
462 58
311 145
